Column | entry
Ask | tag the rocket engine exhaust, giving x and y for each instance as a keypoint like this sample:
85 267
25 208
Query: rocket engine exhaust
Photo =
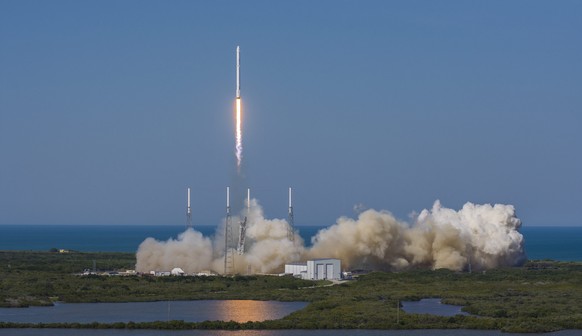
238 112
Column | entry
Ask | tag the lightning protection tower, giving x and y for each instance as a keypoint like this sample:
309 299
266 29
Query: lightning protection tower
188 212
228 251
291 229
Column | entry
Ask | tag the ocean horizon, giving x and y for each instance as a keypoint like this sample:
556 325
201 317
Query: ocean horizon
541 242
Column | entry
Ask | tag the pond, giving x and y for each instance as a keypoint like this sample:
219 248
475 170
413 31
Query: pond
188 311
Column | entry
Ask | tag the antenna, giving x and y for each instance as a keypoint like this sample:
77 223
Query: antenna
188 212
291 229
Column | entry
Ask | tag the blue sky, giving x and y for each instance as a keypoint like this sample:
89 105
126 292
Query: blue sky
110 109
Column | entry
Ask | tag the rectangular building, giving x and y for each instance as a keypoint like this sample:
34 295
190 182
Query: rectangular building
324 269
316 269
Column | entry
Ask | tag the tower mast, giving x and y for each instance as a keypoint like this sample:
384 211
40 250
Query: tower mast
228 252
291 229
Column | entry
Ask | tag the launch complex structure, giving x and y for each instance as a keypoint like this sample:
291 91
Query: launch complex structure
230 248
229 244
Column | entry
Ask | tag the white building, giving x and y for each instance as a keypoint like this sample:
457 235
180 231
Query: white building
160 273
298 269
316 269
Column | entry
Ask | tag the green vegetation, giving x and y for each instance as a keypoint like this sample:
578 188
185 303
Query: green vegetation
35 278
540 296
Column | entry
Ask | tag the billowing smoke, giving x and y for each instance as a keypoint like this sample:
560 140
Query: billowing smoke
268 248
477 236
191 251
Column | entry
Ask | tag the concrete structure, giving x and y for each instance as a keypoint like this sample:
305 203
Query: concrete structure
316 269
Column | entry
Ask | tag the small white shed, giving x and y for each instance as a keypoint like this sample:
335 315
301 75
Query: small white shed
177 271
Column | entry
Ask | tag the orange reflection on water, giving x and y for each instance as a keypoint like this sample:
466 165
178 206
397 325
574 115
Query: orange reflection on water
245 310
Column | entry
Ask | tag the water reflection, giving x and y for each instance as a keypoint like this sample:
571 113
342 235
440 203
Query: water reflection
247 310
189 311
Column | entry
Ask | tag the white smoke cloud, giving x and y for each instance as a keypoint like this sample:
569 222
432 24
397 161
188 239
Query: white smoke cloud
267 248
191 252
482 236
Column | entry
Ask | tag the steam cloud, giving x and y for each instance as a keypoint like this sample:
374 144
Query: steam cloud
477 236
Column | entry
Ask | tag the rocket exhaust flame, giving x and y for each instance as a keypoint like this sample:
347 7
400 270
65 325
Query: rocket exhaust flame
238 145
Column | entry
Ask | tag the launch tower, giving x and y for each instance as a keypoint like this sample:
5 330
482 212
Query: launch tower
228 251
291 229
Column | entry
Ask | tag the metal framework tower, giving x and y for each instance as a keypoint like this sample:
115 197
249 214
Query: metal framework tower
291 229
243 227
228 251
188 212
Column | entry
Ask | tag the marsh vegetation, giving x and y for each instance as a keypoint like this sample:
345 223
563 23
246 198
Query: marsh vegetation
540 296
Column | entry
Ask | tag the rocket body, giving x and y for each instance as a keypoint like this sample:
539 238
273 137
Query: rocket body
237 72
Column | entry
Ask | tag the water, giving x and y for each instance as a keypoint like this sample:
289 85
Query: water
99 238
557 243
431 306
355 332
188 311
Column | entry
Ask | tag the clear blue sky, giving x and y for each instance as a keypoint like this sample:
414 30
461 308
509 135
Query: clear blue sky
110 109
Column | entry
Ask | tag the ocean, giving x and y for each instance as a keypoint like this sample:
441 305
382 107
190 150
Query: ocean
556 243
